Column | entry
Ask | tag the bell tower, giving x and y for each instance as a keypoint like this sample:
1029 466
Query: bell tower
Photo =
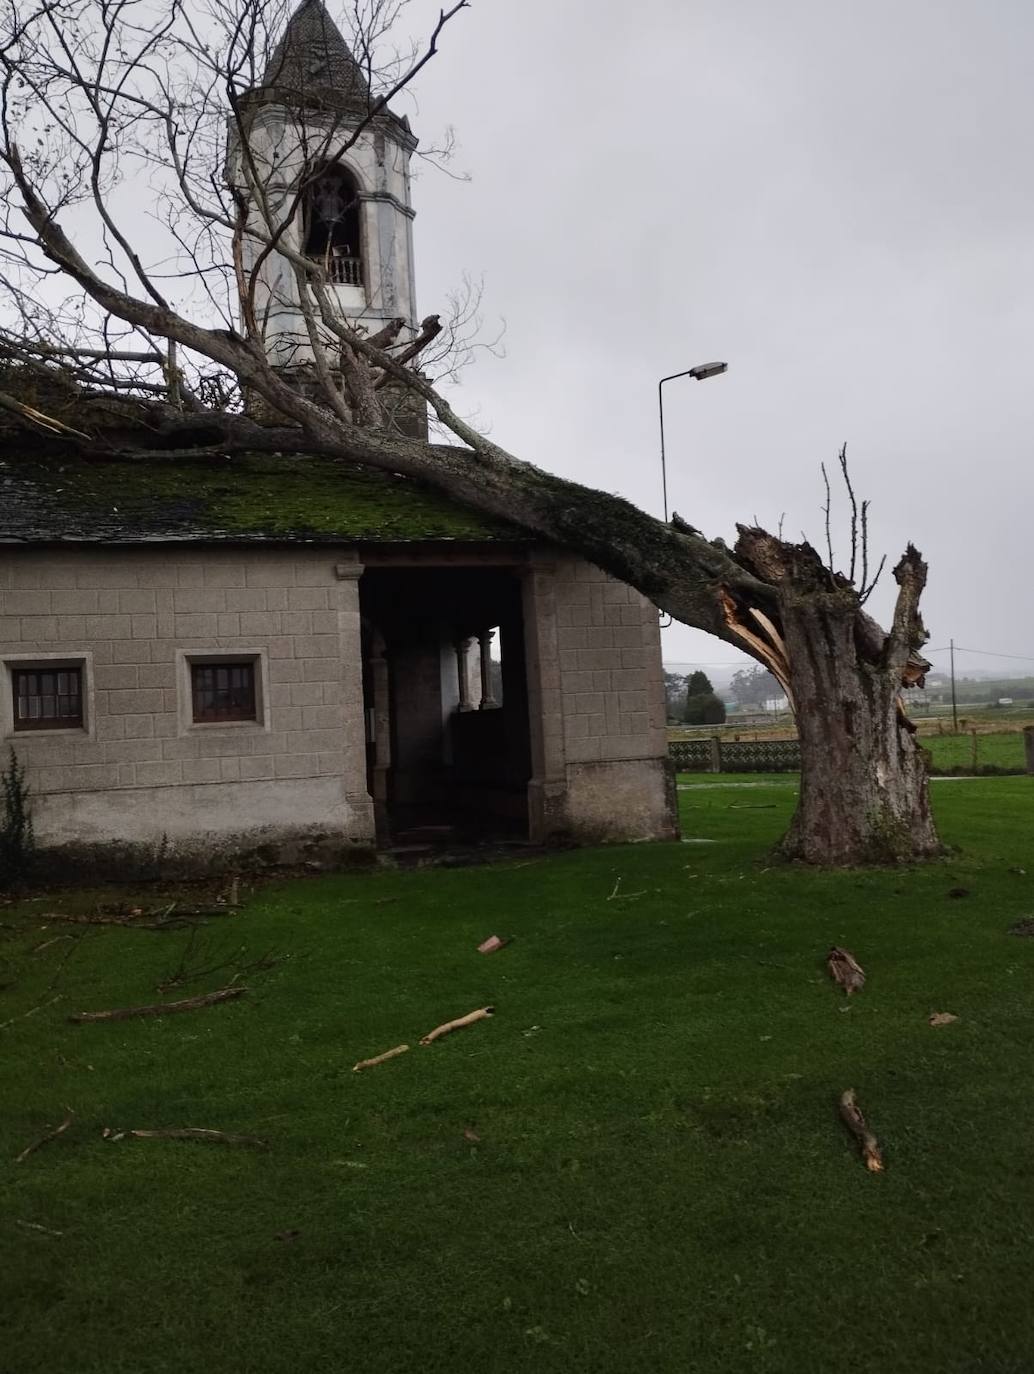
318 158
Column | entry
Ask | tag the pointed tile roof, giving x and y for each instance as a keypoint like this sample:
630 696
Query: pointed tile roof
312 64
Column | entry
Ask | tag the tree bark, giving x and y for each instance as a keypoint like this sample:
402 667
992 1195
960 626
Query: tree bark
864 796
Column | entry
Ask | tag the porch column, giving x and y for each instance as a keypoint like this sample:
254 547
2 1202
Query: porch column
488 701
462 647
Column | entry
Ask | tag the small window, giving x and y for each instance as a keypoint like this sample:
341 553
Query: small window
48 698
223 691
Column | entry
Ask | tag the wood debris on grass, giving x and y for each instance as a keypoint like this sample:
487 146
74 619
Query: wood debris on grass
379 1059
942 1018
171 916
54 939
206 999
617 896
197 1133
493 943
35 1226
449 1026
44 1139
31 1012
845 969
1023 927
855 1122
187 971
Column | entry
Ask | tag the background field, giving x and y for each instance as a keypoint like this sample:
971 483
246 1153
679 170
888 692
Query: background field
977 749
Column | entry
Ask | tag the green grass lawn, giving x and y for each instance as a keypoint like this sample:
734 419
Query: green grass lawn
659 1180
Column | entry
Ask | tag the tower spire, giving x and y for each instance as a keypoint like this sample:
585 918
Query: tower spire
313 65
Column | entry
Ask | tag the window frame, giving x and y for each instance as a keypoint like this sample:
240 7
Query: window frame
13 663
31 724
233 714
188 660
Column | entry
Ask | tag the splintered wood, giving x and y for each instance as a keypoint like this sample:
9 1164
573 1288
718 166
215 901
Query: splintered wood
379 1059
856 1124
845 969
207 999
458 1024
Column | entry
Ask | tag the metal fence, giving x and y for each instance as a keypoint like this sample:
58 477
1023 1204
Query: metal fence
716 755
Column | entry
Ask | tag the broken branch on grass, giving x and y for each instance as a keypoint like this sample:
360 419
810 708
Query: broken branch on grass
206 999
379 1058
845 969
54 939
35 1226
189 1133
617 896
31 1012
50 1135
170 917
856 1124
185 972
449 1026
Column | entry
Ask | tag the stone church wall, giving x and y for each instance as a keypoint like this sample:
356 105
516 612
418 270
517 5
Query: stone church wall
602 770
140 778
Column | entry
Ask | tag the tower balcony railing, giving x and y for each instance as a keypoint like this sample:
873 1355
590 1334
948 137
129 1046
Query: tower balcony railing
343 271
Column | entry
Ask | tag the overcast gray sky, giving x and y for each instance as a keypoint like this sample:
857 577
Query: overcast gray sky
833 196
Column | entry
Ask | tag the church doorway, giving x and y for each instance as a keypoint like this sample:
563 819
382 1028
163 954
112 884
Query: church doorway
448 747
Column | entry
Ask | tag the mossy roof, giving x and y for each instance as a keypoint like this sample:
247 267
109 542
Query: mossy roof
244 499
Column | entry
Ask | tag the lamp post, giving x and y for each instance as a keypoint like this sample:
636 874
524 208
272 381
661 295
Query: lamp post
699 373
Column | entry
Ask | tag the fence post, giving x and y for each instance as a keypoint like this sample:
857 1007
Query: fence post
1028 747
715 765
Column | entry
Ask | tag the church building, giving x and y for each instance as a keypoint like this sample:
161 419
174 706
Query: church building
284 659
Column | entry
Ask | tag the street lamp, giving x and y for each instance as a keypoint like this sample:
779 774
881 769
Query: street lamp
700 373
